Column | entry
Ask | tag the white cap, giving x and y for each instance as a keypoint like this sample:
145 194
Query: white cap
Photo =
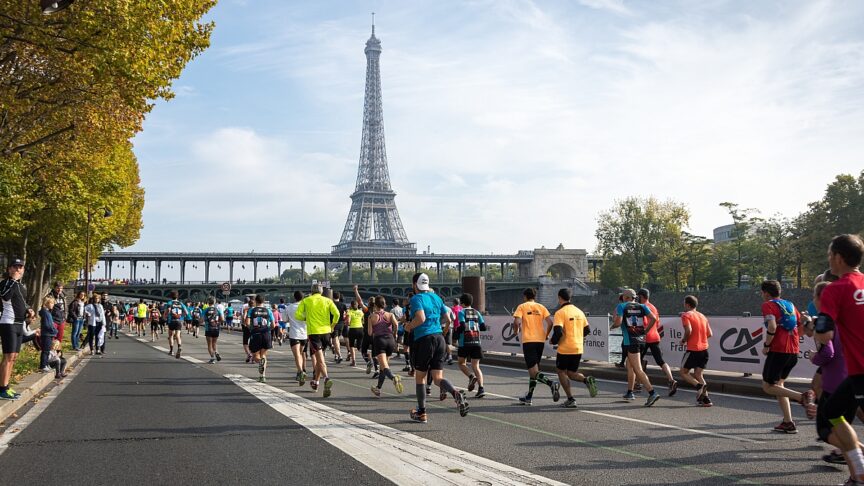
423 282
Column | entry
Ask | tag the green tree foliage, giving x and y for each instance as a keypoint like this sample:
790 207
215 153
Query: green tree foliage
74 89
643 232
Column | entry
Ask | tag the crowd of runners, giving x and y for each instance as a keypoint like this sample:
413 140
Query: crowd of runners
424 330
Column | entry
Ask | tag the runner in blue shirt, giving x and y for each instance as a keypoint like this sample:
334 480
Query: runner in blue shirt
260 321
428 347
175 313
630 317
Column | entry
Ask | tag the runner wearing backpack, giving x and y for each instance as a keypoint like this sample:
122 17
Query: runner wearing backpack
197 315
466 332
175 312
782 321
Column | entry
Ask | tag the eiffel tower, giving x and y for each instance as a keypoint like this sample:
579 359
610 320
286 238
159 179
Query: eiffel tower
373 226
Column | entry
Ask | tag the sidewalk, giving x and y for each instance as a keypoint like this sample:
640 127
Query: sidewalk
32 385
719 381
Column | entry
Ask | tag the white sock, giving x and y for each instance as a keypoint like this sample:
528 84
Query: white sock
856 462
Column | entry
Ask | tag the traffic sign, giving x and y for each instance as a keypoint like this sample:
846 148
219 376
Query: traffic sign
91 287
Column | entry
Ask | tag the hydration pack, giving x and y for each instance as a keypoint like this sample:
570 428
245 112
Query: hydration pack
175 312
788 319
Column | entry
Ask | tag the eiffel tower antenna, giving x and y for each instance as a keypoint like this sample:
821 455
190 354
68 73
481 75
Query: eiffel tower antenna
373 226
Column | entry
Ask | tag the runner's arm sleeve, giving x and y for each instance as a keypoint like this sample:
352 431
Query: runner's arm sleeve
557 333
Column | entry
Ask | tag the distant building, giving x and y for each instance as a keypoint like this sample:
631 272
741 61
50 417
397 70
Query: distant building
724 234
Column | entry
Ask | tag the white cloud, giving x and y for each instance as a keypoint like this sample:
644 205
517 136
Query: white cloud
522 121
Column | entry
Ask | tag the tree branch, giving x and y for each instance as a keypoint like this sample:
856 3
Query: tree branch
44 139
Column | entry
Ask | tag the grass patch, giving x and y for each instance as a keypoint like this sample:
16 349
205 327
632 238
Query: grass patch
28 359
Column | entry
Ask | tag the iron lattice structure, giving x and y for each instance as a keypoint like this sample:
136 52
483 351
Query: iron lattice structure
373 226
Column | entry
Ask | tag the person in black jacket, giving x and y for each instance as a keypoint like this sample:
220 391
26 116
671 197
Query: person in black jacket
14 312
58 313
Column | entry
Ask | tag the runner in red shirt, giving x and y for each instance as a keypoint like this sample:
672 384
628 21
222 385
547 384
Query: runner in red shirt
781 355
842 308
652 341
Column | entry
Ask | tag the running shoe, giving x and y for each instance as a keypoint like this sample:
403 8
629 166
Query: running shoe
673 388
178 353
406 368
450 361
8 395
376 391
652 398
443 395
591 383
808 401
462 403
212 361
524 400
261 379
706 402
472 382
637 388
397 383
419 416
786 428
302 379
368 367
702 393
248 358
852 481
480 393
556 391
313 385
570 403
170 350
328 385
218 358
428 391
629 396
353 363
834 457
374 375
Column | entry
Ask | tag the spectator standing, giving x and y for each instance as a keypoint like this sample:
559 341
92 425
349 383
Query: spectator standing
95 322
47 331
58 313
12 329
76 317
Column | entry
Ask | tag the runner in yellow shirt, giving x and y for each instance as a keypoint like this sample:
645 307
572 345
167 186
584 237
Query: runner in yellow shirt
568 331
528 321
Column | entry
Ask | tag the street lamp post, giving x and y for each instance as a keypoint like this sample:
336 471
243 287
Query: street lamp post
53 6
87 250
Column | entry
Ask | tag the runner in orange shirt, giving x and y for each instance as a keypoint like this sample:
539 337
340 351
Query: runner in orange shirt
529 318
697 330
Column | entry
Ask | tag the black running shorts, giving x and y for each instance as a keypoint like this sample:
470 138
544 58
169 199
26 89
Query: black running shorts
533 353
470 352
654 348
429 352
568 362
292 342
778 366
175 325
319 342
212 334
694 359
355 337
385 344
260 341
11 336
846 399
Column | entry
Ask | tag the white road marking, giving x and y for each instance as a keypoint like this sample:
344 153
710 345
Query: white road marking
192 360
16 428
401 457
141 340
160 348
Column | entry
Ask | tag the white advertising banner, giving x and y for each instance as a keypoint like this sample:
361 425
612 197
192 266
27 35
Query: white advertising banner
499 337
736 345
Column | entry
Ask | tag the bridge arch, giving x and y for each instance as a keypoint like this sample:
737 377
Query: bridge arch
561 270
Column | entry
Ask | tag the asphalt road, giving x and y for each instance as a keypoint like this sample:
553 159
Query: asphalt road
138 415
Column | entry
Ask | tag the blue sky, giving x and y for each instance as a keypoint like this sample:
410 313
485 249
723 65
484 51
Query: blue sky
509 124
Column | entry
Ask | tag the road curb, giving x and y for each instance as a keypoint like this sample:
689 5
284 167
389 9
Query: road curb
31 386
735 385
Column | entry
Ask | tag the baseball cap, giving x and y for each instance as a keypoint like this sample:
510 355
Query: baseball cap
423 282
644 293
15 262
628 293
